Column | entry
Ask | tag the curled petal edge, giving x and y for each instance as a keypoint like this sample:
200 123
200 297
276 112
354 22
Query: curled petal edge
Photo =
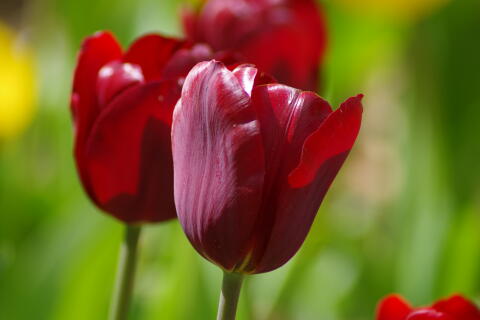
336 135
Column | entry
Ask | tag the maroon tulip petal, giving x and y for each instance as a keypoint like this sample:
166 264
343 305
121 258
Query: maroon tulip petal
96 51
334 137
393 307
230 58
284 38
185 59
291 64
246 75
287 117
429 314
311 18
224 24
128 153
189 18
218 163
152 52
114 78
458 307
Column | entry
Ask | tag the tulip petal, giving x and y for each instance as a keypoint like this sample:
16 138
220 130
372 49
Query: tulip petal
393 307
114 78
224 24
129 157
246 75
290 64
96 51
285 38
334 137
189 20
273 51
458 307
152 52
299 193
429 314
309 16
185 59
287 116
218 163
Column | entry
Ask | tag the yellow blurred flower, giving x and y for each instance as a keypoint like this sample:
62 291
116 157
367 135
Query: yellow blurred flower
403 9
17 85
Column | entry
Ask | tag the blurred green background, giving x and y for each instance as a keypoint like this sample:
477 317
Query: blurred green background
403 215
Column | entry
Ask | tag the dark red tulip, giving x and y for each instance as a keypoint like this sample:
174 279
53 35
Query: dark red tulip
252 163
456 307
285 38
122 104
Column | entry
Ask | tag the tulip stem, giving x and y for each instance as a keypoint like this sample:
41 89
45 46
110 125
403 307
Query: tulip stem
231 285
122 292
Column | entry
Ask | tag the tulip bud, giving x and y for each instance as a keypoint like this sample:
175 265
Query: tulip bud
122 105
252 163
285 38
456 307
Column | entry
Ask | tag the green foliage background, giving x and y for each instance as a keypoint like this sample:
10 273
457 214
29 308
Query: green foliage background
403 215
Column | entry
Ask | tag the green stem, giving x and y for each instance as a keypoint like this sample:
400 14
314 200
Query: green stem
247 300
231 285
125 274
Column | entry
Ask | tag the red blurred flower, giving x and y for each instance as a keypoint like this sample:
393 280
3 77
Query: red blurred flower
456 307
285 38
252 163
122 104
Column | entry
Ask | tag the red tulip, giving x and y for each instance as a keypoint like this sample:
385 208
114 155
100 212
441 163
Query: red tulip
122 104
285 38
252 163
456 307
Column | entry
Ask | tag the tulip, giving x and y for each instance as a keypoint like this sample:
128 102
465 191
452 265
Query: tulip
285 38
122 105
252 163
456 307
